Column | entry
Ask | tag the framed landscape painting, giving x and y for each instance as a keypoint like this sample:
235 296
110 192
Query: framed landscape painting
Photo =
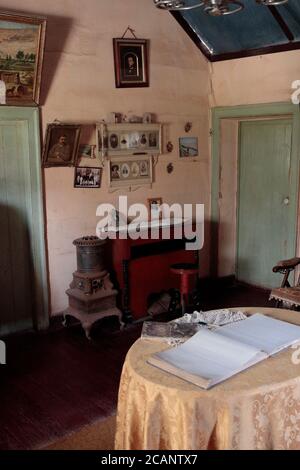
22 41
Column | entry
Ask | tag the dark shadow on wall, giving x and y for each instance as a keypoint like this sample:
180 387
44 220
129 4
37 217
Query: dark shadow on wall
58 29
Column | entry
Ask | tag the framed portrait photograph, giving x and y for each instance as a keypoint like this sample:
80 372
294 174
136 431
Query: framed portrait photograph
129 139
86 151
154 204
188 146
124 172
131 62
87 177
22 41
61 145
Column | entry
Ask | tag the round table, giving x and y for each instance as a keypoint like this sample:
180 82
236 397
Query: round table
257 409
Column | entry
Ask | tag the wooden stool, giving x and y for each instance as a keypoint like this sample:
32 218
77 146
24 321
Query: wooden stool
186 271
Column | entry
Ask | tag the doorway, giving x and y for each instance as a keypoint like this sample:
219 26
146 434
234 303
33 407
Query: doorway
23 274
254 190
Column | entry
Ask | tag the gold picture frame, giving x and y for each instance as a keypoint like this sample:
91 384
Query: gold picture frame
22 45
61 145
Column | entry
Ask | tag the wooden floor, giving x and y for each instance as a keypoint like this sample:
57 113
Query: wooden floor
56 382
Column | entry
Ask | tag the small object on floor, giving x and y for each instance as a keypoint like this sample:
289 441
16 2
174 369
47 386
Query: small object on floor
161 305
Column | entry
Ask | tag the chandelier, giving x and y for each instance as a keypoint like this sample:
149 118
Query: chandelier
212 7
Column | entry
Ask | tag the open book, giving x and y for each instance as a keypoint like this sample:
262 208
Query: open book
210 357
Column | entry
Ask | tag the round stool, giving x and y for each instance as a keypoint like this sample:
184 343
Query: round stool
186 271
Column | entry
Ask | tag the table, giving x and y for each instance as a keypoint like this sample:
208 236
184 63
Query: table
257 409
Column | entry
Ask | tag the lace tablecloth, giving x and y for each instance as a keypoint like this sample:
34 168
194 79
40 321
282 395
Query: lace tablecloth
257 409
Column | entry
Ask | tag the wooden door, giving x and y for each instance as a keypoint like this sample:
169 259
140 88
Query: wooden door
266 202
23 285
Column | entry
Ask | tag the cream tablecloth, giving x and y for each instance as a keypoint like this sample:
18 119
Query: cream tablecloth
257 409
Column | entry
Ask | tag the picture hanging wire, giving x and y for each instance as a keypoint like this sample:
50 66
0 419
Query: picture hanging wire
131 31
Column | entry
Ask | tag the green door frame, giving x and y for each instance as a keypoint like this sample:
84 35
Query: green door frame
30 116
267 110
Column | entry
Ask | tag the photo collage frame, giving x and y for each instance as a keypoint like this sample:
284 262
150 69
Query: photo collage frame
129 149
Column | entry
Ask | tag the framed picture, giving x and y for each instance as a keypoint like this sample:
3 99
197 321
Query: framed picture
154 208
188 146
129 139
22 41
61 145
87 177
131 62
86 151
124 172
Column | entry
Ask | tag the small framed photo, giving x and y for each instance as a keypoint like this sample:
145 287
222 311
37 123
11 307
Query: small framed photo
188 146
86 151
131 62
155 212
129 139
124 172
21 58
61 145
87 177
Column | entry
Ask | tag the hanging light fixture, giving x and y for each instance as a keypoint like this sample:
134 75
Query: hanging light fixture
212 7
222 7
176 5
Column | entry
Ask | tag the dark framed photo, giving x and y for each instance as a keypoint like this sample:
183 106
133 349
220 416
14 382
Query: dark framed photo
131 62
61 145
87 177
22 41
188 146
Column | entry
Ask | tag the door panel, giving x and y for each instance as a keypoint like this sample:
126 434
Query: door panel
23 288
266 207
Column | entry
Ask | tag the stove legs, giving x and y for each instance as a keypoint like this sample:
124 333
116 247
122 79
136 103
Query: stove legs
87 320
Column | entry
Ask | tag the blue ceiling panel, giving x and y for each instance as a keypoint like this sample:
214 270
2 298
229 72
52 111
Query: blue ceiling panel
257 29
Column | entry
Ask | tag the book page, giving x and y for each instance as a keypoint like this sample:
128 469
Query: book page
209 356
262 332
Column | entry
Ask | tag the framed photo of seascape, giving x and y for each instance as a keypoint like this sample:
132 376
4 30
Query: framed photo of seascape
188 147
22 40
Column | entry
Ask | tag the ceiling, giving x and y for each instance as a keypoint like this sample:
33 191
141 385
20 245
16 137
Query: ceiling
253 31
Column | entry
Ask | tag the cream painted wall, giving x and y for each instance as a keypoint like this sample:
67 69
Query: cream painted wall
78 86
260 79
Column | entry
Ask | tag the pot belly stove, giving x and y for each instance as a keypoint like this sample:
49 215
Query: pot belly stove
91 293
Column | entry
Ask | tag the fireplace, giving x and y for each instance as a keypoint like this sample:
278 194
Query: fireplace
91 294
